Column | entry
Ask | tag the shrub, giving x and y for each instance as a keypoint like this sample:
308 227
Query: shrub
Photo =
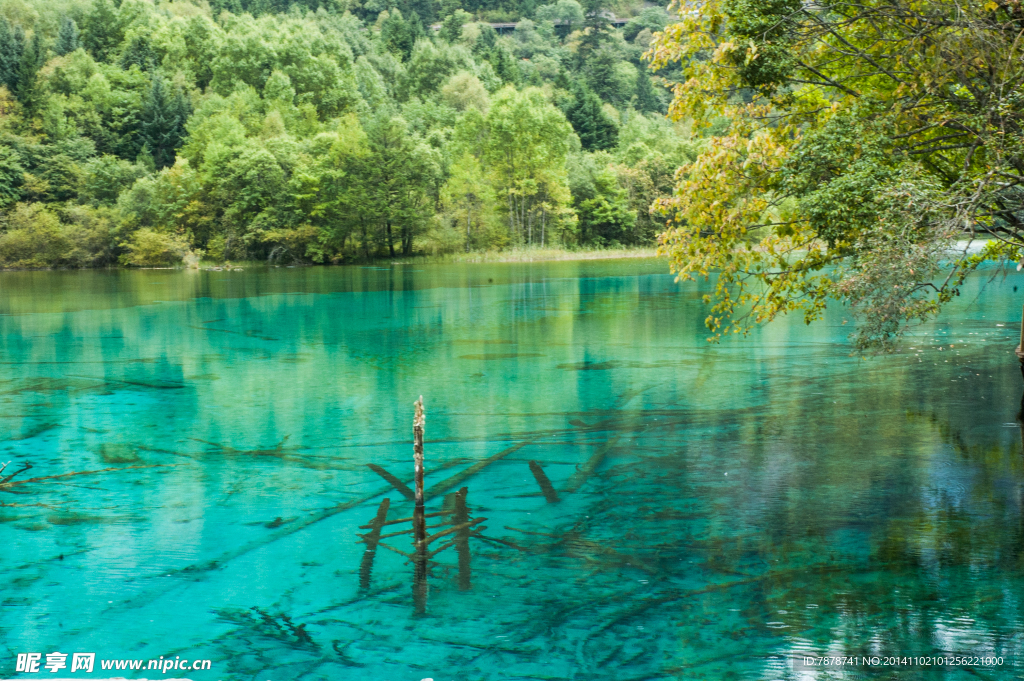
93 234
34 238
148 248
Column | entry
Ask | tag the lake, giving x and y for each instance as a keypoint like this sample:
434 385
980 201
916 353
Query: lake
205 447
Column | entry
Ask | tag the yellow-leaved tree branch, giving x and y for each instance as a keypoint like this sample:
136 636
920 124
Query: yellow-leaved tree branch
874 154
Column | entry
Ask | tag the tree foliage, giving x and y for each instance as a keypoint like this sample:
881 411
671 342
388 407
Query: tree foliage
300 131
868 145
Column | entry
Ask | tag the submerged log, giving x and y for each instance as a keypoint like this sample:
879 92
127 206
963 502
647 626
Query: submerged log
460 519
580 476
406 520
545 484
372 539
400 486
461 477
6 484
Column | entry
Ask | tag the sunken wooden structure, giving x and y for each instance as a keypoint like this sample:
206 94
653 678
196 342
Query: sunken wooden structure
459 526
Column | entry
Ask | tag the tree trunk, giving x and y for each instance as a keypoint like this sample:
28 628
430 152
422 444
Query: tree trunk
530 215
511 217
391 241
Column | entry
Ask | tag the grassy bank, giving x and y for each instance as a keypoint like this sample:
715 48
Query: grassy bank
539 255
481 256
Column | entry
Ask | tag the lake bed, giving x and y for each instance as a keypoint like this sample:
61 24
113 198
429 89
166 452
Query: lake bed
723 510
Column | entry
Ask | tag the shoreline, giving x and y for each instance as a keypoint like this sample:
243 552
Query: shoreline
531 255
515 255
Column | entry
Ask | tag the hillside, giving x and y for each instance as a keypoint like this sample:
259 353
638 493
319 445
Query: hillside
146 133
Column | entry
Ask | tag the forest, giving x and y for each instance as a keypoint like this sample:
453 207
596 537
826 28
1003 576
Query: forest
145 133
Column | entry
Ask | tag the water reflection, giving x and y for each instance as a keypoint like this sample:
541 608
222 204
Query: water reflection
213 469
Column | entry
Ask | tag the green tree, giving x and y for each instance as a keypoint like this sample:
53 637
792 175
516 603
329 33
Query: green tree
12 46
429 67
871 139
566 15
105 178
504 64
162 125
394 178
34 238
451 27
597 28
32 59
12 174
602 204
464 90
646 99
610 78
651 18
102 30
523 142
588 119
469 201
398 35
138 52
67 37
326 195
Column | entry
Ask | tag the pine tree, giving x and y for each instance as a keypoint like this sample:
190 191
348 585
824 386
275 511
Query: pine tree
589 120
32 59
562 80
103 31
451 28
426 10
596 28
12 46
646 97
67 37
504 65
164 114
600 74
399 35
139 53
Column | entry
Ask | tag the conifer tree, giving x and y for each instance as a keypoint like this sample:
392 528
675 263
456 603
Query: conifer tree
600 73
32 59
12 45
451 28
164 114
589 120
562 80
103 31
646 98
504 65
67 37
426 10
140 53
399 35
596 28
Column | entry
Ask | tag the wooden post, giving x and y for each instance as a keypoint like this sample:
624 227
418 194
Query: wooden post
461 519
372 539
419 523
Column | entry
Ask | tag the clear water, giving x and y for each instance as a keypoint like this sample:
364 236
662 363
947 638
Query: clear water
723 510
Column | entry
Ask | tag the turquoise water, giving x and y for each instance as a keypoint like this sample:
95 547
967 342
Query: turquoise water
722 510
